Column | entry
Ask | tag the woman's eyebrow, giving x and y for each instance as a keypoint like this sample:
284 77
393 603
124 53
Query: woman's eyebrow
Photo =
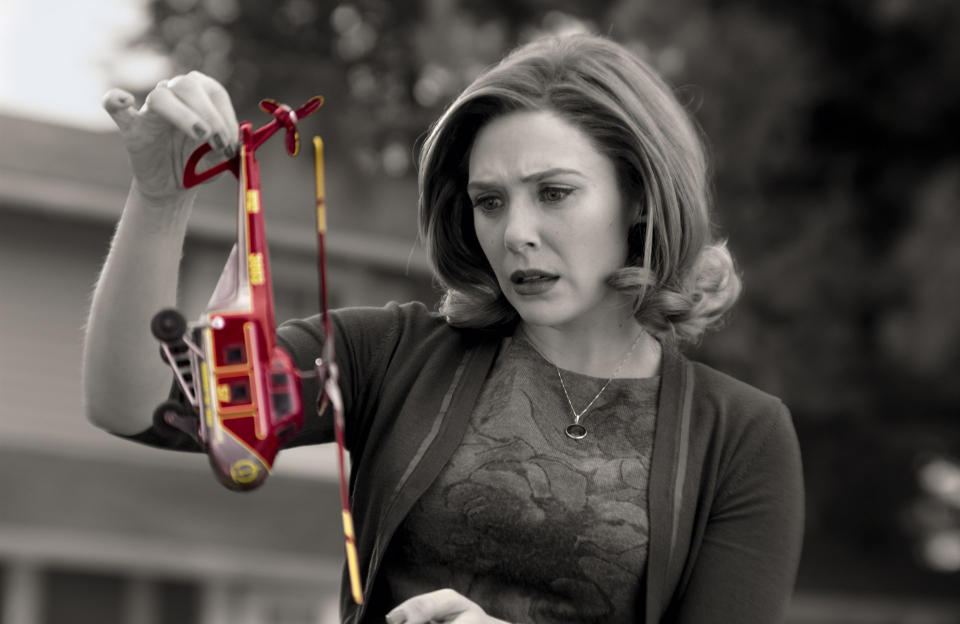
546 173
479 185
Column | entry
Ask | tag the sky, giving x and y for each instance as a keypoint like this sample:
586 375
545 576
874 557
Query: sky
58 57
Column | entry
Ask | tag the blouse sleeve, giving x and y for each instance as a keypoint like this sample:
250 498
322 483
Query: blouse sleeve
746 566
363 339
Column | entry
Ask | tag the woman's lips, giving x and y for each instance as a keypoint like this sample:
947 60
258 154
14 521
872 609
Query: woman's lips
532 282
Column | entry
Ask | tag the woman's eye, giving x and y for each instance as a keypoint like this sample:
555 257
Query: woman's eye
553 194
487 203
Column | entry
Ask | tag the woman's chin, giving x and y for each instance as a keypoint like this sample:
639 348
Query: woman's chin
543 314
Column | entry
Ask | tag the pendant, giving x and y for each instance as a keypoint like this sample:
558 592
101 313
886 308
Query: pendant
576 432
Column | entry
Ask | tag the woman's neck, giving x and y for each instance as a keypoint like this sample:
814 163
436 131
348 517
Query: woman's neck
601 350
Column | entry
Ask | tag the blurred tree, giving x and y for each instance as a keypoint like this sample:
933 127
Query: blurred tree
831 127
837 181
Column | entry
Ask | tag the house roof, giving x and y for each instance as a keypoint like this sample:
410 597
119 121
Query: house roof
64 171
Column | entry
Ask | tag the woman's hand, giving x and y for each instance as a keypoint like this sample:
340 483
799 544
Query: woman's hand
443 605
179 114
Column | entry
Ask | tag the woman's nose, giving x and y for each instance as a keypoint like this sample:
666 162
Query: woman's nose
521 231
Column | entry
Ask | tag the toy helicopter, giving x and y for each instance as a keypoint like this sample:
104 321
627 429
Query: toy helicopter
243 388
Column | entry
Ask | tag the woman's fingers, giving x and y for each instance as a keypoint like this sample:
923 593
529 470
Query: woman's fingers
195 91
164 103
176 115
442 605
119 105
185 102
221 102
194 103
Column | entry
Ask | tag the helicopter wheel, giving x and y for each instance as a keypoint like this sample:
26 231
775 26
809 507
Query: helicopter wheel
168 326
171 414
168 406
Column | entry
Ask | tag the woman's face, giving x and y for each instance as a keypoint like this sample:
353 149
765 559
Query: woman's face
550 217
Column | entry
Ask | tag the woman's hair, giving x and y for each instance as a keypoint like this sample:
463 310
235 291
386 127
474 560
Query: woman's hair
682 280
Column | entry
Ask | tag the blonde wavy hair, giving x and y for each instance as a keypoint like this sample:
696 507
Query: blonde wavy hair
681 278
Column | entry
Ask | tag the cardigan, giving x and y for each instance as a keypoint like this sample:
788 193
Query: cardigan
725 492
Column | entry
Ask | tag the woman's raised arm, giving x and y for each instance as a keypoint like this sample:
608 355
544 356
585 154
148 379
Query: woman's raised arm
123 376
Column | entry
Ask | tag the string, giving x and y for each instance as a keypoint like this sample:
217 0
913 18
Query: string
328 372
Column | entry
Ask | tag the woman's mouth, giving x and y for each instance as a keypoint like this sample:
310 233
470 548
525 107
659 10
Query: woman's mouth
532 282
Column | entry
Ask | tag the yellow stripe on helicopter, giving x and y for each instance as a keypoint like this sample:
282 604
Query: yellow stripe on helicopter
255 269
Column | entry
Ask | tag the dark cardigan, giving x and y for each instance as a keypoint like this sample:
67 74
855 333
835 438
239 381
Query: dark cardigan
725 492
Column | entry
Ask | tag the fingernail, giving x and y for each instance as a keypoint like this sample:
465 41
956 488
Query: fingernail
218 142
199 130
396 618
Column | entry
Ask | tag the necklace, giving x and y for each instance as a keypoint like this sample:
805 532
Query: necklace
576 431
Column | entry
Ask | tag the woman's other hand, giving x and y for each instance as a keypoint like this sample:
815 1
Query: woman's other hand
178 115
443 605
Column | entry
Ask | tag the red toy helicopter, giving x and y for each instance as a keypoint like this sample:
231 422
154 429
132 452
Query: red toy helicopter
243 388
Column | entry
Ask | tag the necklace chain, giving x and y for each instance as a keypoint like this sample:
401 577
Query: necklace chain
578 416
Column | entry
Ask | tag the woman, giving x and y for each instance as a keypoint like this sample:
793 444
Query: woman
539 450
